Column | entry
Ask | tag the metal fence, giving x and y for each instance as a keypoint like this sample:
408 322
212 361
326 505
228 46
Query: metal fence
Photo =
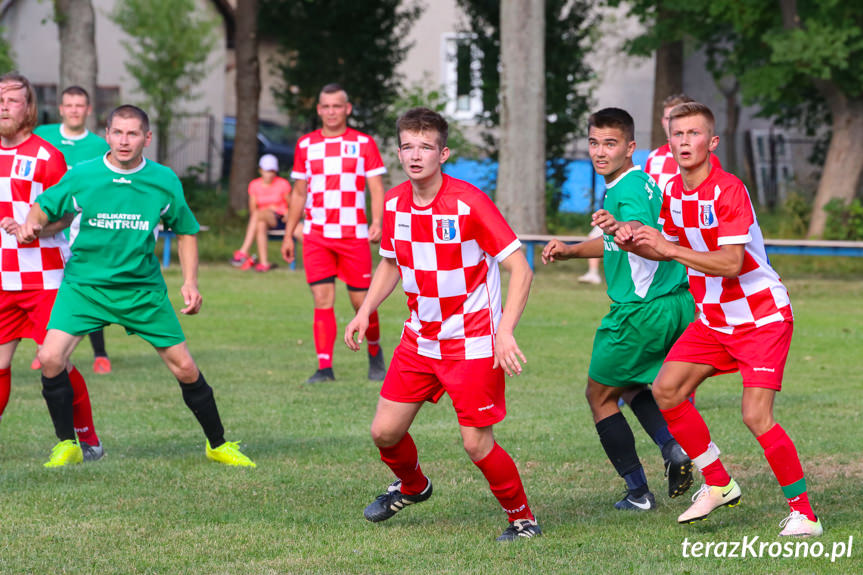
195 147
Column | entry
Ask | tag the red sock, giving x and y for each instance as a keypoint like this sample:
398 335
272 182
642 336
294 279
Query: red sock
505 482
325 336
785 463
373 334
5 388
82 414
688 428
402 459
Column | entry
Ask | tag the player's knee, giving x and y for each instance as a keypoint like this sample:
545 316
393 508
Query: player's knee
758 421
478 447
384 436
665 393
52 361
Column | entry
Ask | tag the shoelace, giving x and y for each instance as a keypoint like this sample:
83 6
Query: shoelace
792 517
704 490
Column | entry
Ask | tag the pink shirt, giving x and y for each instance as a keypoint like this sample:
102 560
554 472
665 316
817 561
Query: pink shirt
274 196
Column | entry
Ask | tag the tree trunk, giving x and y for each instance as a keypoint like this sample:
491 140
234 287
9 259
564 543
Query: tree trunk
844 163
248 86
732 119
667 80
76 23
521 173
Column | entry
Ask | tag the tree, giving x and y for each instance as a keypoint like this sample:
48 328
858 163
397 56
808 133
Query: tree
248 89
167 57
358 44
521 173
7 61
76 24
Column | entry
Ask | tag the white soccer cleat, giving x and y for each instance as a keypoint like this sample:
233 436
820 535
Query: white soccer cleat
708 498
590 278
798 525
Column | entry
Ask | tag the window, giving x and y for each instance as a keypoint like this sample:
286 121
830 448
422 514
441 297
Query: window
461 76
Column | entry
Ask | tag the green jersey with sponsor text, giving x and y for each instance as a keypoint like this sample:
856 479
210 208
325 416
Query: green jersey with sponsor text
117 212
75 149
634 196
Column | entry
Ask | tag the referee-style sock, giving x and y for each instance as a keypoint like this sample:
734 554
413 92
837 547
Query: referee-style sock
5 388
502 475
373 334
688 428
617 440
97 340
59 396
645 409
785 463
403 460
82 413
325 336
199 398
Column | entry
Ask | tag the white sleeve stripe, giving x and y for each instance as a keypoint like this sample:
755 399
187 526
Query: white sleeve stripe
376 172
505 252
734 240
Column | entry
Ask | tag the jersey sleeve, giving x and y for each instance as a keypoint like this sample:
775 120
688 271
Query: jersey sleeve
734 215
387 249
640 202
58 199
300 151
490 230
374 164
55 169
179 217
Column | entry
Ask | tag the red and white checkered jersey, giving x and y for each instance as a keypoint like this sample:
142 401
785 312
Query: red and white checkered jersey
447 253
719 212
336 170
25 172
661 165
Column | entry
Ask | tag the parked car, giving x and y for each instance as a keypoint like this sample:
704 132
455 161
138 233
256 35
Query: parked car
272 139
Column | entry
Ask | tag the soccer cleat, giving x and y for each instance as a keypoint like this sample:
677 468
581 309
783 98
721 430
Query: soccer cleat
92 452
520 528
377 367
629 503
678 469
265 267
239 258
325 374
708 498
229 453
388 504
798 525
102 365
590 278
67 452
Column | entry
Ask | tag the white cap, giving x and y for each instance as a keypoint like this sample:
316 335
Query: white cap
269 163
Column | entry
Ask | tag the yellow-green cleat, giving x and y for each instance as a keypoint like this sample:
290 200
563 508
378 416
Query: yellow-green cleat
66 452
229 453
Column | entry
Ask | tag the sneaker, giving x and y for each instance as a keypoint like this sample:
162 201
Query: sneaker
92 452
248 264
102 365
590 278
325 374
388 504
265 267
67 452
708 498
519 528
798 525
229 453
630 503
678 469
377 367
239 258
36 365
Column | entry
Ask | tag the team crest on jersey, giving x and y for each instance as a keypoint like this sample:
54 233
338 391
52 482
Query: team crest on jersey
350 149
706 216
446 228
23 168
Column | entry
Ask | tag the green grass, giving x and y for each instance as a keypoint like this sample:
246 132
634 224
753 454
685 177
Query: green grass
154 504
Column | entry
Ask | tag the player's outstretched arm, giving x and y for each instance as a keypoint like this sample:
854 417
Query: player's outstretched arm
295 210
557 250
726 262
506 350
384 281
375 186
187 249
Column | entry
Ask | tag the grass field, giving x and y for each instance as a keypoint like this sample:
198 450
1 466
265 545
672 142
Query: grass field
154 504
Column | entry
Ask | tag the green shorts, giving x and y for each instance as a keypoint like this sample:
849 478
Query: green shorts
634 338
80 309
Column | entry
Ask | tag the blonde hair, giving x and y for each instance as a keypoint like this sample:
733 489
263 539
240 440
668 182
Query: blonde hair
32 106
693 109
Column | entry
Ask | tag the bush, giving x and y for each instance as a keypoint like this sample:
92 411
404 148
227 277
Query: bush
844 221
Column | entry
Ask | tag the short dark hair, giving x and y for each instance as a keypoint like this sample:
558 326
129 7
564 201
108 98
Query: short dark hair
694 109
676 100
333 88
422 120
75 91
613 118
32 104
129 111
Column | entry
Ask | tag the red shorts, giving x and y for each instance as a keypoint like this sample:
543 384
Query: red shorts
477 391
759 353
349 259
25 314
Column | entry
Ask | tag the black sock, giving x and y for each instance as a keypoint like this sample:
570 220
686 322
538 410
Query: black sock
58 395
619 444
645 409
97 340
199 398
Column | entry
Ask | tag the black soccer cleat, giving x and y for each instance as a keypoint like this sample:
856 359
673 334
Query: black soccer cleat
325 374
377 366
678 469
520 529
388 504
629 503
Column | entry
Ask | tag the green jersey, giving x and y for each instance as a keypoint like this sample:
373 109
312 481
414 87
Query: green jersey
113 235
75 149
634 196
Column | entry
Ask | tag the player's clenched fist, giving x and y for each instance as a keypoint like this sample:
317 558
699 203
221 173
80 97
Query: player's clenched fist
554 250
